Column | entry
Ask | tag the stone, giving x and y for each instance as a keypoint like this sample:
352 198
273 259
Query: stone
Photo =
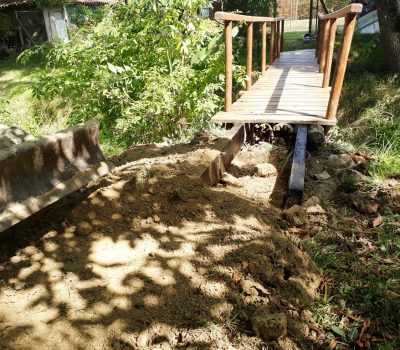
230 180
270 327
341 161
364 202
377 221
297 216
84 228
315 137
359 159
313 206
266 169
323 176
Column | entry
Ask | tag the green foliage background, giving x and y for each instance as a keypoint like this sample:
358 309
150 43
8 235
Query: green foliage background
149 71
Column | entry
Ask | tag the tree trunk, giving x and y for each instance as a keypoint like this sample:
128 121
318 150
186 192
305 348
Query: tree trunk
389 23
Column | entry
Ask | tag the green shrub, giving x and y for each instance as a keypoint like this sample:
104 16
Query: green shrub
149 71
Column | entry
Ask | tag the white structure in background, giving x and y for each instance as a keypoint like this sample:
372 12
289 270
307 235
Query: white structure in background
368 24
56 21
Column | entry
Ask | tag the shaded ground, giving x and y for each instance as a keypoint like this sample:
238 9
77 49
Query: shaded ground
149 257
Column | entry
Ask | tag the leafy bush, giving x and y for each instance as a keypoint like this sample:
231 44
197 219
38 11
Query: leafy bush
149 71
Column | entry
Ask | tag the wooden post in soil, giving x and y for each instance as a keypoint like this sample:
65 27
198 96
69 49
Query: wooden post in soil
348 31
272 44
249 56
324 47
329 55
228 66
278 39
263 47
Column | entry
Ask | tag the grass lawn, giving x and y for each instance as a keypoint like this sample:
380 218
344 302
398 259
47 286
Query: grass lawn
294 41
18 106
362 288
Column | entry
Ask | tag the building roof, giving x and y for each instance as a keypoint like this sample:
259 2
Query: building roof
5 4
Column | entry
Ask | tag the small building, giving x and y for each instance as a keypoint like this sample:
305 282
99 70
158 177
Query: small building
23 23
209 11
368 23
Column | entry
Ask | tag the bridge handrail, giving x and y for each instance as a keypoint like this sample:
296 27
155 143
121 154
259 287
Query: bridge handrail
343 12
327 26
277 30
229 16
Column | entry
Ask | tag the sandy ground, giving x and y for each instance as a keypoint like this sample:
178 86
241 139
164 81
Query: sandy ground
151 258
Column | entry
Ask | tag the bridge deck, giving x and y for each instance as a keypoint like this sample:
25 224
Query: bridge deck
290 91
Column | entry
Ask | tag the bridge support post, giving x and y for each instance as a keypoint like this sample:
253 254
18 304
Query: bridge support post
249 56
263 47
348 31
228 66
324 46
278 40
272 44
296 182
329 54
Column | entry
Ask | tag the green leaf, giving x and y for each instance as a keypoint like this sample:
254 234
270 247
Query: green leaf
338 331
235 31
353 334
112 68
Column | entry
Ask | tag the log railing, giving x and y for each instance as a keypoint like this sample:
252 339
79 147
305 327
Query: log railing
327 25
276 46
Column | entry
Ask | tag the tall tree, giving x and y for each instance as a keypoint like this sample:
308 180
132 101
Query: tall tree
389 22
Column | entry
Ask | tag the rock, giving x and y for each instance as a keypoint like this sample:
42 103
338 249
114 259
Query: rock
341 161
84 228
315 137
351 180
230 180
266 169
359 159
283 128
364 202
270 327
297 216
377 221
323 176
313 206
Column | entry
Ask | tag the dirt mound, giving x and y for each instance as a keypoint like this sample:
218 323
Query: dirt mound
150 257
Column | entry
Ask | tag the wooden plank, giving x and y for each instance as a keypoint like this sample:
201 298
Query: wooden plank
351 9
296 182
227 16
236 138
235 117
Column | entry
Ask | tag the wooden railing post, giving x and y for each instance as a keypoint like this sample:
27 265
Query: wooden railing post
324 47
272 44
249 56
318 38
263 47
278 39
329 54
348 31
282 33
228 65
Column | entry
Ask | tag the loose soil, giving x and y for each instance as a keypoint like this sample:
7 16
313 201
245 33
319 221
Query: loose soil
151 258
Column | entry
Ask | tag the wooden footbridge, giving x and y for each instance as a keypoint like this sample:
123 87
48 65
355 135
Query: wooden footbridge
297 88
